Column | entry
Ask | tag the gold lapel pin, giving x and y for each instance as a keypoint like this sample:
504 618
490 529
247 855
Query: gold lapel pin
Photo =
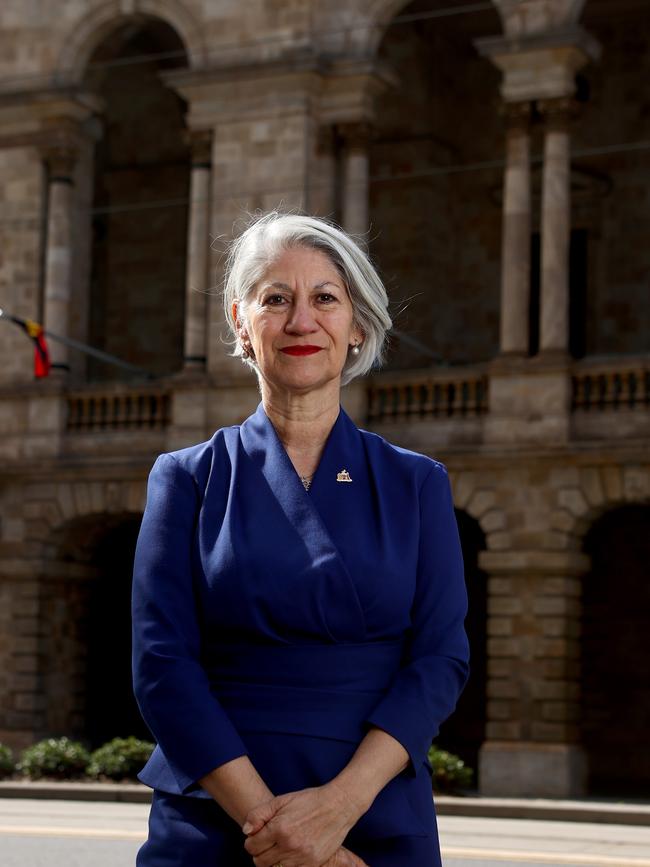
343 476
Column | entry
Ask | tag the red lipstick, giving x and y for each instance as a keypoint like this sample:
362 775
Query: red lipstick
301 349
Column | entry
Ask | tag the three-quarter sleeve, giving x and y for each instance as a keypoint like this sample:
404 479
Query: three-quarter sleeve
170 685
426 689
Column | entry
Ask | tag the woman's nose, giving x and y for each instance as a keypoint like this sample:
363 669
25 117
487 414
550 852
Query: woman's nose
301 319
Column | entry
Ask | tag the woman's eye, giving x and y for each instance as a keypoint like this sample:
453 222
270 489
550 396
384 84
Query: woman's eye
274 300
326 296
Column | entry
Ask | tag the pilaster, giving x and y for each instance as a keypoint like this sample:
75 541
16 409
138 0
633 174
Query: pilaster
534 609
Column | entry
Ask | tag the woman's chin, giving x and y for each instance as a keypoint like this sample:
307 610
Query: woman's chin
303 381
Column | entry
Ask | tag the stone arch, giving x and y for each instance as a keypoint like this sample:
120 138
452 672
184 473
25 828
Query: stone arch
81 39
45 585
533 17
478 497
377 16
614 682
51 508
592 492
83 535
592 509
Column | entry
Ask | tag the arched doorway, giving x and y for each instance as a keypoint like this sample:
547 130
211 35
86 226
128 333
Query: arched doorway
139 201
110 707
86 630
464 732
615 675
435 213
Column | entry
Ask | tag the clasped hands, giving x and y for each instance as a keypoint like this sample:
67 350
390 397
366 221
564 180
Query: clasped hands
303 829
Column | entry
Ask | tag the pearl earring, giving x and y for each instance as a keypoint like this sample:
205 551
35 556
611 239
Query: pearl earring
356 349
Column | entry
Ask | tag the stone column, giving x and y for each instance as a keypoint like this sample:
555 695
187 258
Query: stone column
534 622
556 227
355 191
198 250
515 255
60 160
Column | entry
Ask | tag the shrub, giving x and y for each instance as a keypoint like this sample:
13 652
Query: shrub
120 758
61 758
449 771
7 766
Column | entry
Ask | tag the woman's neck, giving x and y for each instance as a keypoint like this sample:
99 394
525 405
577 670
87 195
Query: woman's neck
303 423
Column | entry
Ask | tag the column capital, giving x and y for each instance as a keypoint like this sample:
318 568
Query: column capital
60 158
539 66
517 115
200 144
60 147
558 112
356 135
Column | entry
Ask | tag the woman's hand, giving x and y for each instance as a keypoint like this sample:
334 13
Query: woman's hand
303 829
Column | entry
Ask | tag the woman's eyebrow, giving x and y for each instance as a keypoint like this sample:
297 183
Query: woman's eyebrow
278 285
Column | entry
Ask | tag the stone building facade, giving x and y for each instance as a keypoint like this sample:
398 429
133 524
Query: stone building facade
496 161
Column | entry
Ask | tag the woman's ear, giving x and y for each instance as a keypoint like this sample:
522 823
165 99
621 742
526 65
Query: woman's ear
239 326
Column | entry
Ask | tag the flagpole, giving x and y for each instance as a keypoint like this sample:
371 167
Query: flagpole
83 347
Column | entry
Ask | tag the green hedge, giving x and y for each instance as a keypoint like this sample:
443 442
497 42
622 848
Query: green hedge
450 774
119 759
122 758
7 764
61 758
66 759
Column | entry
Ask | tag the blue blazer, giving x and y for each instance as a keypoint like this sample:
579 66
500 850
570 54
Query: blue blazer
283 624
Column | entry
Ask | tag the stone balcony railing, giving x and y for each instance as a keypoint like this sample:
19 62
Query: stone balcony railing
606 399
419 395
116 419
116 408
610 397
418 407
609 400
617 384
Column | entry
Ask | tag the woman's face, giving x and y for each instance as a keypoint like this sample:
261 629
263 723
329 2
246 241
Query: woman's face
298 321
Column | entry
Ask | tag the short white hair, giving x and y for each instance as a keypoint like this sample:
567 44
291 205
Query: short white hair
268 235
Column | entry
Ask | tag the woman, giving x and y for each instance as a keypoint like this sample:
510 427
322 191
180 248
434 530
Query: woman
298 596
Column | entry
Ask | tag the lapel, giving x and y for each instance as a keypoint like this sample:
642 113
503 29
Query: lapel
302 509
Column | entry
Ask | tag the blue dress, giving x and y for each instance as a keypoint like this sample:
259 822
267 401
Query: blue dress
283 624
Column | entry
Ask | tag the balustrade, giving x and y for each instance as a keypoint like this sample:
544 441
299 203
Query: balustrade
611 386
98 410
415 395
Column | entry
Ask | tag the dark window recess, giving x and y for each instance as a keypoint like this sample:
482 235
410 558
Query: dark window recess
465 731
534 306
577 293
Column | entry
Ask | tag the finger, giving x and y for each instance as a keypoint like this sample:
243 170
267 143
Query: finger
253 827
258 817
269 858
350 859
257 844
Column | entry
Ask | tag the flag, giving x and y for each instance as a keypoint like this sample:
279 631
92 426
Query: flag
41 352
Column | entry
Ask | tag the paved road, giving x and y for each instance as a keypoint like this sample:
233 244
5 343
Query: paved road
36 833
468 841
39 833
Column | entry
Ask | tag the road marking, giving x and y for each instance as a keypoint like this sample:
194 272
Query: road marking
50 831
544 857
